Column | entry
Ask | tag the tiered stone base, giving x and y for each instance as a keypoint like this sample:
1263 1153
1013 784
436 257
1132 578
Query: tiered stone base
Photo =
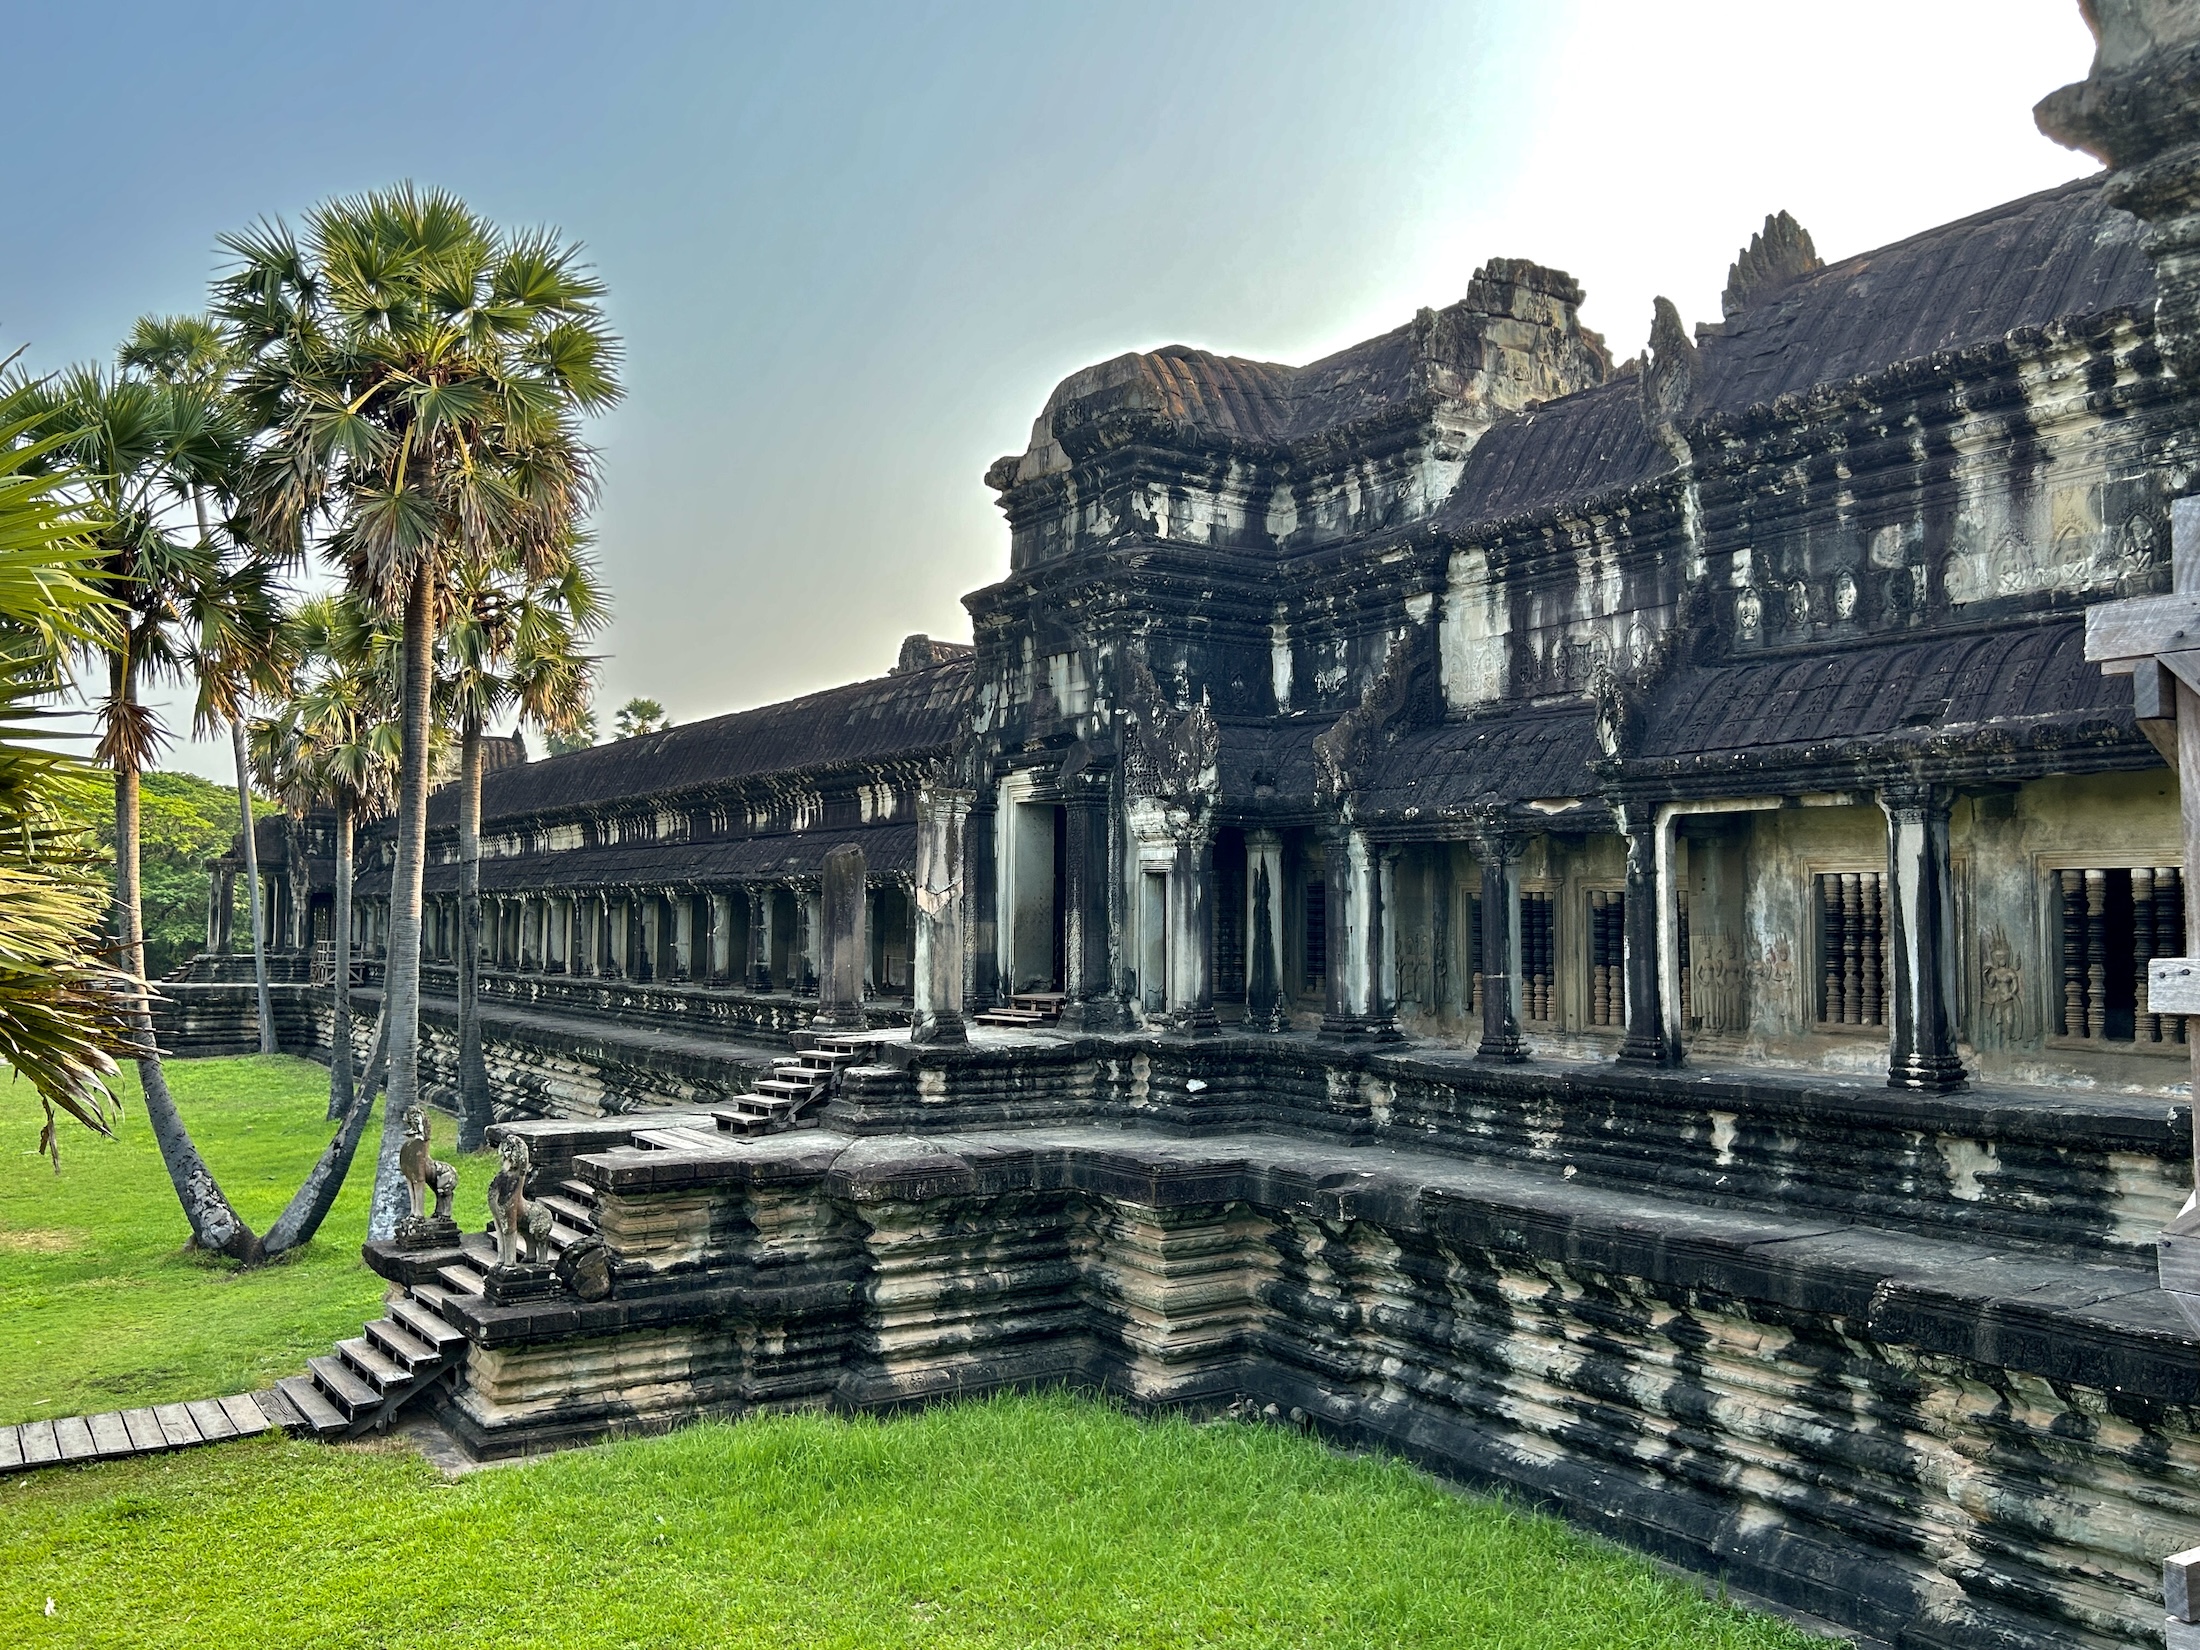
1961 1413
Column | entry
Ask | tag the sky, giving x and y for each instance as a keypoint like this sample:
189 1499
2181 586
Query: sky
851 248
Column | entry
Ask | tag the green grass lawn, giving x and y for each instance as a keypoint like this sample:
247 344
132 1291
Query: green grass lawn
1029 1521
102 1304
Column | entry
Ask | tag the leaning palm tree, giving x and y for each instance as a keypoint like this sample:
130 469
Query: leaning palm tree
513 644
421 375
121 433
130 439
236 659
66 1012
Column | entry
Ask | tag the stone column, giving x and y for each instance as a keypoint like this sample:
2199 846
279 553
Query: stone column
1357 1005
721 938
1087 984
1264 991
1645 1042
1501 1039
1192 933
981 888
1385 973
937 966
1921 928
683 937
226 913
806 925
842 941
760 939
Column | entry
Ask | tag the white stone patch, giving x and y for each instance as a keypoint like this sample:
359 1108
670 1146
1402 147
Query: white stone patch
1968 1161
1722 1139
1477 621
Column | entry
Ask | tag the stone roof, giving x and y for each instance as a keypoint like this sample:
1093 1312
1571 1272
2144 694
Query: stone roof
2025 684
888 850
1505 759
1576 449
2061 254
887 718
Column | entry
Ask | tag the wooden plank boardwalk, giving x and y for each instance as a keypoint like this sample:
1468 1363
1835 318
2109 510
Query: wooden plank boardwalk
125 1432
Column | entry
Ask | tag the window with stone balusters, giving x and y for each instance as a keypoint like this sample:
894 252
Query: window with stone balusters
1607 957
2112 921
1538 954
1853 985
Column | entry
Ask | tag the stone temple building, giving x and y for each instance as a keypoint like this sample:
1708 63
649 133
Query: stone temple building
1585 920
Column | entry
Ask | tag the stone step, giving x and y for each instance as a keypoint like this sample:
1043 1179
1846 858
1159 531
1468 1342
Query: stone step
579 1191
317 1414
382 1372
460 1280
674 1140
580 1216
403 1344
420 1318
563 1237
344 1387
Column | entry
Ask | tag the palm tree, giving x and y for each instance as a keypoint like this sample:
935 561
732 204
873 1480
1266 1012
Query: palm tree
121 434
422 375
344 699
513 643
66 1013
236 659
639 716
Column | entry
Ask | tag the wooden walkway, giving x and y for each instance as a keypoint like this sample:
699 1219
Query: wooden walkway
122 1432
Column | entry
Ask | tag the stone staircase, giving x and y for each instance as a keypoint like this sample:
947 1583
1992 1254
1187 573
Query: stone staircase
797 1083
1026 1009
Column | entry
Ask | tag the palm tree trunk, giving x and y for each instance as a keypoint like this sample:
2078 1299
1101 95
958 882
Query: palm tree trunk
473 1071
252 882
214 1224
339 1059
401 990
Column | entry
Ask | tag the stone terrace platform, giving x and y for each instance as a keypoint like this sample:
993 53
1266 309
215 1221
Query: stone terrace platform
1898 1361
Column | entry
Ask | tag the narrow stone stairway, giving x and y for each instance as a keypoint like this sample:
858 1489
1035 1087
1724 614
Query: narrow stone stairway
797 1082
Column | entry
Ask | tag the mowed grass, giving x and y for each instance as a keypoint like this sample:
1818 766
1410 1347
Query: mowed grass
102 1303
1023 1521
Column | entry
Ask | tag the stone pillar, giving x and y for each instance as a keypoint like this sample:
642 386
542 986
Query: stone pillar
1385 971
1357 1005
1921 927
1501 1039
843 939
683 937
1264 989
760 939
1645 1042
937 966
226 913
981 888
804 950
721 938
1088 982
1192 933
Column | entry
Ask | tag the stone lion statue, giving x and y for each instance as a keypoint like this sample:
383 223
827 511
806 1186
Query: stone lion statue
423 1172
518 1219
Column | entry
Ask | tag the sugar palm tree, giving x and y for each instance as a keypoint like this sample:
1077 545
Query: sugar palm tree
513 644
344 700
422 374
66 1012
122 435
237 659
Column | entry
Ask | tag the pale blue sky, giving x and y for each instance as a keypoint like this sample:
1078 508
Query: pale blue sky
852 247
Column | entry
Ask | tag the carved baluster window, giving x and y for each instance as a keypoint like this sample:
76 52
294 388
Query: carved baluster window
1537 954
1688 970
2113 922
1607 958
1852 948
2168 939
1474 953
1317 933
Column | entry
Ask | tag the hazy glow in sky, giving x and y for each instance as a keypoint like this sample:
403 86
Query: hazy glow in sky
851 248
